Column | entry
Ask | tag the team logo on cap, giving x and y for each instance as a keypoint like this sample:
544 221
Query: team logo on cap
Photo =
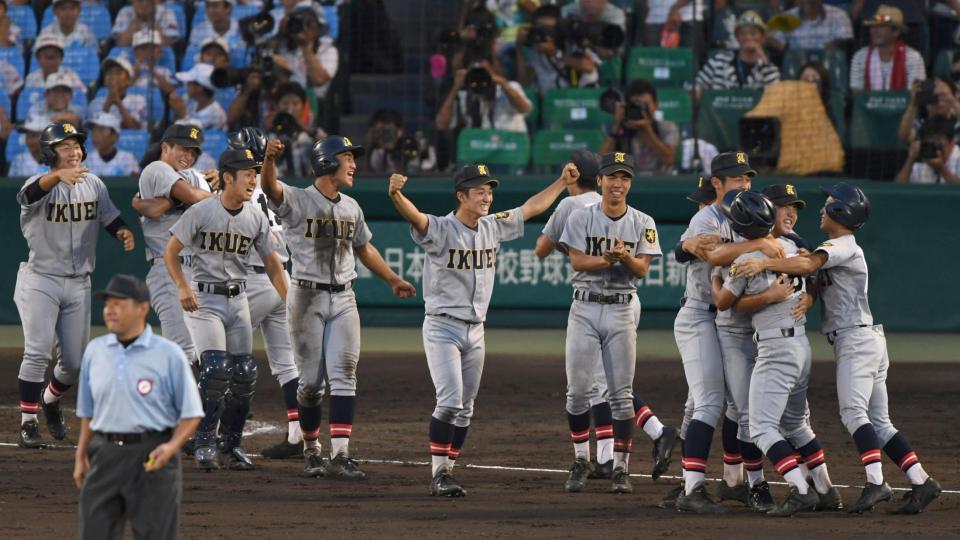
68 128
144 386
650 235
194 133
619 157
741 158
482 170
249 154
791 190
346 142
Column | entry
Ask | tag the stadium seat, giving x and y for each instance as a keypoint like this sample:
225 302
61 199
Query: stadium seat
662 67
225 96
167 58
29 96
943 65
676 105
23 17
181 17
14 57
134 141
573 108
5 101
214 142
833 59
719 116
611 71
15 145
496 147
96 16
875 119
84 61
552 147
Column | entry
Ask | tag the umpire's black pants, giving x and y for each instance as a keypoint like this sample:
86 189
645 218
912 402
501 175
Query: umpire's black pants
118 488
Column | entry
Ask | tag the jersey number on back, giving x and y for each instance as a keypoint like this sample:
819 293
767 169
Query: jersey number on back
271 219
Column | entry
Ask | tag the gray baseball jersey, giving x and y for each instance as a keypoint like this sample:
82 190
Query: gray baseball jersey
321 234
778 315
62 227
462 262
843 282
156 180
259 201
558 220
709 220
221 241
592 232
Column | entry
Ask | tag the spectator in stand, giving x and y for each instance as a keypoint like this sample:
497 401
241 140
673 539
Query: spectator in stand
9 31
389 151
651 142
677 16
291 120
747 67
66 27
200 108
48 50
10 80
28 163
57 105
219 23
934 157
147 51
216 52
145 15
887 63
944 15
547 62
821 26
913 16
488 100
130 108
310 55
593 11
816 73
933 97
105 159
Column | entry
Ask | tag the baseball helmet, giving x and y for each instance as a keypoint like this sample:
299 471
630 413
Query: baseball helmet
323 157
249 138
56 133
850 207
751 214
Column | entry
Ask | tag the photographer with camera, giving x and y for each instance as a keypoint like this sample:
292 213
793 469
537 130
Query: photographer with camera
390 150
545 57
483 98
929 98
306 51
290 121
933 158
603 24
636 130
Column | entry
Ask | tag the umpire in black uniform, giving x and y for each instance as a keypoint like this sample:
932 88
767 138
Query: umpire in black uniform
138 402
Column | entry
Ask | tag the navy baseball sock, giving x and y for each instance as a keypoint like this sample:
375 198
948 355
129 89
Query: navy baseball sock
441 437
456 444
865 437
646 420
622 443
580 433
752 462
29 399
732 460
783 459
54 391
696 448
900 451
603 429
813 458
293 412
342 409
310 416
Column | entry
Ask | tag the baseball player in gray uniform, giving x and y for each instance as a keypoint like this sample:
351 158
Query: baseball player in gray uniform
461 249
610 246
222 231
179 149
859 347
325 229
61 213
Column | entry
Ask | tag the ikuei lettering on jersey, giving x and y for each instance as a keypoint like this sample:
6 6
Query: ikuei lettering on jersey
596 245
71 212
225 242
471 259
340 229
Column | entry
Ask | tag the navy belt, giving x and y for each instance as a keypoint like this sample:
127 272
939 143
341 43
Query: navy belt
225 289
795 331
121 439
328 287
696 304
257 269
831 336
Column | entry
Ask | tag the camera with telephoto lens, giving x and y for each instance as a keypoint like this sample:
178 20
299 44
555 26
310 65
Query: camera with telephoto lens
601 34
632 111
929 149
478 82
926 94
255 31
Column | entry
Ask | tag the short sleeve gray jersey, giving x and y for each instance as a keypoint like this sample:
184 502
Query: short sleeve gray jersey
592 232
321 234
221 242
558 220
259 201
731 318
843 284
61 229
709 220
773 316
157 180
461 262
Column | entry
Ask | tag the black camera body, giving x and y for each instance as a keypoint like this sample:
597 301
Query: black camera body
573 36
929 149
632 111
478 82
925 94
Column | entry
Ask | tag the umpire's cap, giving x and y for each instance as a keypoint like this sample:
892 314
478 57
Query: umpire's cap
705 193
186 135
751 214
238 159
323 157
473 176
850 207
731 164
784 195
249 138
125 286
56 133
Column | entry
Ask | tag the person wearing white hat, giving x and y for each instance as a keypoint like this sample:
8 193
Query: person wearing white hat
145 15
200 108
57 105
105 159
48 51
131 109
219 23
66 26
147 51
27 163
216 52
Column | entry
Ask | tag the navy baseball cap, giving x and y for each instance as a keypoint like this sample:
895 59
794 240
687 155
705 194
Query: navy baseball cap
616 162
587 162
185 135
705 192
125 286
784 195
474 176
238 159
731 164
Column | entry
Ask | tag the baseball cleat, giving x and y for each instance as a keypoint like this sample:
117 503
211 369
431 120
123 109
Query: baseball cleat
871 495
315 465
206 457
699 502
796 502
53 414
621 481
670 499
739 493
344 468
235 459
600 471
760 498
919 497
444 485
662 449
29 435
283 450
579 473
829 501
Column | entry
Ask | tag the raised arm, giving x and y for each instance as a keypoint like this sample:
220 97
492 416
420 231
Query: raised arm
724 254
405 207
371 258
800 265
539 203
268 174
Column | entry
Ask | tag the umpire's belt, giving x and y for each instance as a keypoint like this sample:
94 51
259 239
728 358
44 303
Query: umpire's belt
328 287
185 260
696 304
771 333
585 296
832 336
121 439
226 289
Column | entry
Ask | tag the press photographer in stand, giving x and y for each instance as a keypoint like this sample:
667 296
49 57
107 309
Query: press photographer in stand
391 150
636 130
305 49
546 56
934 157
254 81
290 121
933 97
483 98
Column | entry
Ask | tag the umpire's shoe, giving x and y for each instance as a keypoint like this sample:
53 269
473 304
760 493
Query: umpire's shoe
699 502
739 493
662 449
344 468
760 498
235 459
620 481
53 414
919 497
444 485
796 502
283 450
29 435
579 473
600 471
315 465
871 495
829 501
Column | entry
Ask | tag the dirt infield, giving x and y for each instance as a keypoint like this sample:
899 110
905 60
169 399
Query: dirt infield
519 423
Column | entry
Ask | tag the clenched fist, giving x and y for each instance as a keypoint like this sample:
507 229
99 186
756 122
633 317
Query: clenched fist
273 150
570 174
397 181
